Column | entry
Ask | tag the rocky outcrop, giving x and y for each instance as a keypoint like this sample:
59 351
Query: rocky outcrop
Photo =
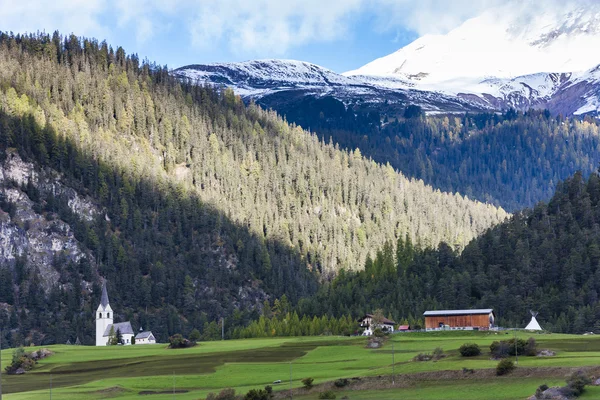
27 233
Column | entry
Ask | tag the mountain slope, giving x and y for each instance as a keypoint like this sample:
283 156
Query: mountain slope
208 206
544 259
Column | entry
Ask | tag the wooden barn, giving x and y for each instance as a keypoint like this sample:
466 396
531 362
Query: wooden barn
482 319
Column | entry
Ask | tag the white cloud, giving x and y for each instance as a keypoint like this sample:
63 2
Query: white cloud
270 26
78 16
254 28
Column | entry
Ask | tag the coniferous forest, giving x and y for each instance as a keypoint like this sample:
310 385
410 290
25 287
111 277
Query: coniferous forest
210 208
513 159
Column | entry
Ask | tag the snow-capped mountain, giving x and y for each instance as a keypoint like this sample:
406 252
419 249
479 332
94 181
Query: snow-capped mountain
277 79
511 56
519 55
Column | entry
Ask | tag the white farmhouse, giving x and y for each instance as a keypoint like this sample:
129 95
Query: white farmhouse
369 325
104 323
145 337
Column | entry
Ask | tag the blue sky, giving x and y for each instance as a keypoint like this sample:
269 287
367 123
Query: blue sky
337 34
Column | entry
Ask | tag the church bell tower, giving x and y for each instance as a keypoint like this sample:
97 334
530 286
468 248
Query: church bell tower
104 317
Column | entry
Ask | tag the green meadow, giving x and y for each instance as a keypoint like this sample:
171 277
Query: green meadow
154 372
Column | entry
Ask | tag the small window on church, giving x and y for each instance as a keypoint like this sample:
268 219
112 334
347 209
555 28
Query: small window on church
100 315
108 315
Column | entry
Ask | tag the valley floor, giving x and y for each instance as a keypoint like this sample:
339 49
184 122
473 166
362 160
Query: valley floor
154 372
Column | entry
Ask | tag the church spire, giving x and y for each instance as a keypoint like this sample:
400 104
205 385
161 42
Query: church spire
104 298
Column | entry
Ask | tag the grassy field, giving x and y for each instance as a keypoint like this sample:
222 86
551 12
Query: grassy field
153 371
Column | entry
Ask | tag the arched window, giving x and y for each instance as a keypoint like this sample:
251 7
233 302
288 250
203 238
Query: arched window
108 315
100 315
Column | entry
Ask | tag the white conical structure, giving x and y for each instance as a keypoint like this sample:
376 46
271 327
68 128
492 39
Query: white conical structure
533 324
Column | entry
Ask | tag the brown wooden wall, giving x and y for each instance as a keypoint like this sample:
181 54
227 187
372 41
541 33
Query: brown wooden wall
458 321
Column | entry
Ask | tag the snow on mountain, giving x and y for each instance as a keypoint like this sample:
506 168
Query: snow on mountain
503 42
521 55
260 79
510 56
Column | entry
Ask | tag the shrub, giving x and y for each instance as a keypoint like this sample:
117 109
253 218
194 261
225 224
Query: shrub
504 367
469 350
422 357
468 370
539 392
23 362
341 383
177 341
507 348
327 395
257 394
225 394
308 382
438 353
499 349
577 382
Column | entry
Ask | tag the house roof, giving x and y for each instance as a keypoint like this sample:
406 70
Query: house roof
124 327
458 312
144 335
385 320
104 298
404 327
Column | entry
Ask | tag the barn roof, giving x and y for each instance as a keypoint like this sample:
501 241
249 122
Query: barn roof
458 312
124 327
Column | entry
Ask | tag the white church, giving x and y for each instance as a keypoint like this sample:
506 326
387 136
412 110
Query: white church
104 325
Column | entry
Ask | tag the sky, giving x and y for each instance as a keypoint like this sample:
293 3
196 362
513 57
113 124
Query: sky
338 34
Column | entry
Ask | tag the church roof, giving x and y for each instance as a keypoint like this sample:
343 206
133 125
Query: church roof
104 298
124 327
143 335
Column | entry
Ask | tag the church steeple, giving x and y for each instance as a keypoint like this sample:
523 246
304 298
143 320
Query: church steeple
104 317
104 298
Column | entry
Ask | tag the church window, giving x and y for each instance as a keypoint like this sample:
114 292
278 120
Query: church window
100 315
108 315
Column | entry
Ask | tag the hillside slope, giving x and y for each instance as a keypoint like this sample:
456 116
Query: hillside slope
207 205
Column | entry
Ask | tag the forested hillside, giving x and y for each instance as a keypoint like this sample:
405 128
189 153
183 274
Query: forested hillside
204 207
513 160
545 259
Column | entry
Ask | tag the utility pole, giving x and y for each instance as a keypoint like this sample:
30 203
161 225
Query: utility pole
291 395
393 367
516 349
222 328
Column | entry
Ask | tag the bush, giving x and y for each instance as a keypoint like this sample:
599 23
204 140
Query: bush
341 383
469 350
23 362
540 391
177 341
504 367
438 353
225 394
499 349
422 357
507 348
257 394
327 395
308 382
577 382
